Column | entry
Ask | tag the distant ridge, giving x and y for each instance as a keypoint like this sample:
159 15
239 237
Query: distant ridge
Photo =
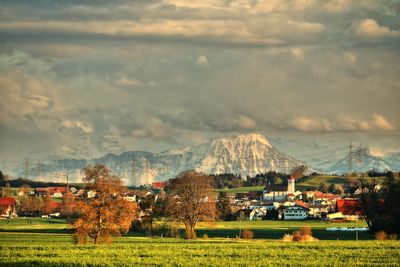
245 155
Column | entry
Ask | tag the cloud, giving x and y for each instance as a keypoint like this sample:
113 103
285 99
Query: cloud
341 123
340 6
379 122
310 124
370 29
245 122
349 58
75 124
202 61
81 61
124 82
297 53
110 143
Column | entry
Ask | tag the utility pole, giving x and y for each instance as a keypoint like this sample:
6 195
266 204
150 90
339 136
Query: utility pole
350 157
356 229
39 171
67 181
133 172
146 169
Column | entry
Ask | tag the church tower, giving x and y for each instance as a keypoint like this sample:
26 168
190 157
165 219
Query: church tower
291 183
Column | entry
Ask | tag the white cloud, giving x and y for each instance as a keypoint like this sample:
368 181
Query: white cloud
202 61
341 123
297 53
381 123
245 122
310 124
127 82
370 29
75 124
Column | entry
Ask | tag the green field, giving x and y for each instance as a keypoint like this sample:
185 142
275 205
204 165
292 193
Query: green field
262 229
312 181
244 189
315 181
42 242
58 250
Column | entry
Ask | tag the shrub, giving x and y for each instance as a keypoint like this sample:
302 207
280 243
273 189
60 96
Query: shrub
381 235
205 236
392 237
247 234
302 235
306 230
287 238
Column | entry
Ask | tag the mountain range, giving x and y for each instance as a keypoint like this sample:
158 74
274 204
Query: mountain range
244 155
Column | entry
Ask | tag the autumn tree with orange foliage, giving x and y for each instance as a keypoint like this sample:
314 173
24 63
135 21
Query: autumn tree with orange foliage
68 205
47 206
190 200
103 210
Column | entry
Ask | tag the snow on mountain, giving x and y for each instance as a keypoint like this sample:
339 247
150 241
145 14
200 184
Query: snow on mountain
361 161
319 154
245 155
393 160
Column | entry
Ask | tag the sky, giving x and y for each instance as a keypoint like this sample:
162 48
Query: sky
81 78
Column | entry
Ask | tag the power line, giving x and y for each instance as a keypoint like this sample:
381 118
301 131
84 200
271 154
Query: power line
26 168
133 172
39 171
350 156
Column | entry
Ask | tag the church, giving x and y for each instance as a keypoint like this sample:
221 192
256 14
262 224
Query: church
280 192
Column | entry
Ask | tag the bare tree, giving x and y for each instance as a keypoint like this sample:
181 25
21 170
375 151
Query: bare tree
190 200
103 210
298 171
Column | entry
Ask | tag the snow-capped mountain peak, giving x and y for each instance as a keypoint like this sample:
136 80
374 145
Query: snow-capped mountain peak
245 155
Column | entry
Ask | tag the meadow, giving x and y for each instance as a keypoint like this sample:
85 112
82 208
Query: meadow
58 250
42 242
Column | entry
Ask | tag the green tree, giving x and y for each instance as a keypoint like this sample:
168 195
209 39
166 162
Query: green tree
381 204
223 206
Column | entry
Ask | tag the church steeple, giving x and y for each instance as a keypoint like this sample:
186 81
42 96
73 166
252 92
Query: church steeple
291 184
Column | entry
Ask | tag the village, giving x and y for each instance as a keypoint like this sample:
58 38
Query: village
274 202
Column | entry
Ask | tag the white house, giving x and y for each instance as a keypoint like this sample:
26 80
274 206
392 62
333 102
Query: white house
299 211
275 193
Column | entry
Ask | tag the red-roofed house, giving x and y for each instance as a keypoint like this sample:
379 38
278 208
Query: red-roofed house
349 206
158 185
8 207
298 211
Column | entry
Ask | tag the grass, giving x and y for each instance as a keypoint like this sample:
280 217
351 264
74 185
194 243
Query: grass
262 229
315 181
58 250
244 189
46 242
312 181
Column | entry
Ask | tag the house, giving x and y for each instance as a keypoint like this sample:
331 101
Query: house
275 193
41 191
257 213
349 207
318 211
158 185
57 191
8 207
298 211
